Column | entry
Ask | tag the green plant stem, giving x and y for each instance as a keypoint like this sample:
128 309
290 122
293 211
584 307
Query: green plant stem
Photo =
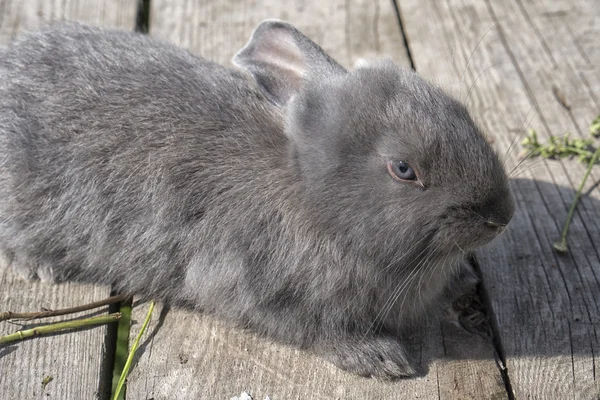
579 151
134 348
59 327
122 346
562 245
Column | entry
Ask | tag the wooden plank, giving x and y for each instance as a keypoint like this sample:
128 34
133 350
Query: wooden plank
189 356
218 29
559 64
195 356
25 15
75 360
546 305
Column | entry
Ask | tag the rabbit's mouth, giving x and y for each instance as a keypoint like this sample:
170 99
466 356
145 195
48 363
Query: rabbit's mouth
461 237
496 228
483 234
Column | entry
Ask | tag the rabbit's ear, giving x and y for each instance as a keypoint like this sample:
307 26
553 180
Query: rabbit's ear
280 58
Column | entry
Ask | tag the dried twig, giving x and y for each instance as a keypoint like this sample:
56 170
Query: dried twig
53 313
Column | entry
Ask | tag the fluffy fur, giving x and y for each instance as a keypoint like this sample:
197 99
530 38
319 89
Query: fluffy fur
263 198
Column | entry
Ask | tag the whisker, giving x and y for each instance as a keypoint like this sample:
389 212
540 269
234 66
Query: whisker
526 157
429 270
395 294
381 273
481 217
436 267
425 261
535 166
518 137
471 57
477 79
460 248
387 267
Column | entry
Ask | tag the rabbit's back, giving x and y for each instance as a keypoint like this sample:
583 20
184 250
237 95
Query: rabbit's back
112 146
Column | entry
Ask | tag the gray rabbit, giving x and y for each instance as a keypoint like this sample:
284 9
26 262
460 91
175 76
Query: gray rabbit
324 208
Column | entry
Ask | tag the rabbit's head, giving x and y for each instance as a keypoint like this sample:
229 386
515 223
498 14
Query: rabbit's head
384 158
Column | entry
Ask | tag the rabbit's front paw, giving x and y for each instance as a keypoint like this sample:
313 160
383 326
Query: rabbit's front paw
379 357
27 269
6 258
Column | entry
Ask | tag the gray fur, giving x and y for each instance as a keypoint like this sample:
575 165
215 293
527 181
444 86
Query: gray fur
129 162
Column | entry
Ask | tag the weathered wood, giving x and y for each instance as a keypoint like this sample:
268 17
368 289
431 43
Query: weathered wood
23 15
195 356
217 29
74 360
534 57
189 356
540 56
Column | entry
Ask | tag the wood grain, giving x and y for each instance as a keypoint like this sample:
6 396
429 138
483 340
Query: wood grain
516 56
23 15
74 360
218 29
516 64
194 356
190 356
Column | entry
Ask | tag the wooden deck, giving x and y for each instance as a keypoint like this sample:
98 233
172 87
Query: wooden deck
517 64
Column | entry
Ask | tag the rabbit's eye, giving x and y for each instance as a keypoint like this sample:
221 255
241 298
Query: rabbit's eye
401 171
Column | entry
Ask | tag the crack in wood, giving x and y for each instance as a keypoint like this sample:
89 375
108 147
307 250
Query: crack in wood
487 309
108 359
142 19
404 34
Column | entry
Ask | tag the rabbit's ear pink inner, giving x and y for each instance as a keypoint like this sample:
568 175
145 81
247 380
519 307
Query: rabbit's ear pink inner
281 58
281 52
